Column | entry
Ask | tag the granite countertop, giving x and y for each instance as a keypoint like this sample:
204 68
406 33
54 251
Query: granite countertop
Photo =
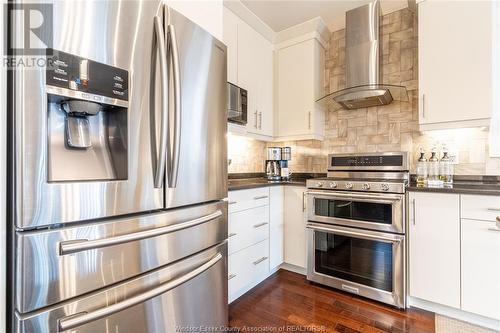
244 181
470 187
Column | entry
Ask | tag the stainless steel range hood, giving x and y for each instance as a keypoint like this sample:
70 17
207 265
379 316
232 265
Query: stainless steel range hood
362 64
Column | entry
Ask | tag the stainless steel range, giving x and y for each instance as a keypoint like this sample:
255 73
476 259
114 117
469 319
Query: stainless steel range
356 226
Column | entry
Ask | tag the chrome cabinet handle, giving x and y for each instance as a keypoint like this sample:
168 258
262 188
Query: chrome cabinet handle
260 197
309 119
304 194
260 120
493 209
160 164
73 321
414 212
232 202
260 225
258 261
255 114
349 233
231 276
423 105
73 246
231 235
494 229
174 160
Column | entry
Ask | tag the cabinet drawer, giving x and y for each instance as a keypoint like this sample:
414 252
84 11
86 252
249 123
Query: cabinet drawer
480 207
246 199
248 227
247 268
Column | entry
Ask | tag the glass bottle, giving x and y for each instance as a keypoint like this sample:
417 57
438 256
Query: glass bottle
433 166
446 169
422 169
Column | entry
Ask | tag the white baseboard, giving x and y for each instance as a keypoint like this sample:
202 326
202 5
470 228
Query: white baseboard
293 268
454 313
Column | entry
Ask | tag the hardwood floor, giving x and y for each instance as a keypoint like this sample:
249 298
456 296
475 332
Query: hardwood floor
287 302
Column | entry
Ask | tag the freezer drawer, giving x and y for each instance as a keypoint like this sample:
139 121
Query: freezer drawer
56 265
188 293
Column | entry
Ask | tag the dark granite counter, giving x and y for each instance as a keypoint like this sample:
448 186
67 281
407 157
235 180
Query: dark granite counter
254 180
481 188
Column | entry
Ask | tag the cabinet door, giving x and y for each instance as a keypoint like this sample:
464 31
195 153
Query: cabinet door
434 250
454 61
276 232
265 87
230 25
248 68
295 89
295 226
481 268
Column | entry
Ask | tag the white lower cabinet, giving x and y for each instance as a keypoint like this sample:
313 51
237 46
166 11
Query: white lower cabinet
481 267
434 247
276 233
295 226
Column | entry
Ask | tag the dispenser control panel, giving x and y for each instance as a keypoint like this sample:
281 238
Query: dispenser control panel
86 76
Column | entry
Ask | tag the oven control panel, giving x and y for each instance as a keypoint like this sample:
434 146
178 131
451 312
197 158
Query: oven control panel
373 161
351 185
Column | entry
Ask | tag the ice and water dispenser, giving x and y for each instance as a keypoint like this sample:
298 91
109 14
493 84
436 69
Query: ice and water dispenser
87 110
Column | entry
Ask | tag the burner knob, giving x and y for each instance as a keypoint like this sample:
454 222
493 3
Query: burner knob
348 186
319 184
333 184
384 187
366 186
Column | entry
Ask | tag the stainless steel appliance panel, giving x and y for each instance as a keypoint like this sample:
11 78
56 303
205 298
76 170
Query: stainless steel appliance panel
197 159
188 293
366 263
375 211
236 104
120 34
55 265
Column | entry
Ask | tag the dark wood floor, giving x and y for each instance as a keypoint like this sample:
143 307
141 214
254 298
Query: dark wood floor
287 302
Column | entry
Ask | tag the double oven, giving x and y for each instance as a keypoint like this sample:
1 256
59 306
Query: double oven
356 226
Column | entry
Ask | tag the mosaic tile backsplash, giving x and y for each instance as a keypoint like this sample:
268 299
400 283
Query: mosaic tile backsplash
393 127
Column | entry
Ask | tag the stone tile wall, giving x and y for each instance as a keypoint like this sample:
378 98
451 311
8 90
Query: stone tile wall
393 127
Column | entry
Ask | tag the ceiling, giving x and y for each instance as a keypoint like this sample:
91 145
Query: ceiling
282 14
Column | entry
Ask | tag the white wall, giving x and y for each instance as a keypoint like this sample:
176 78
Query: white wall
206 13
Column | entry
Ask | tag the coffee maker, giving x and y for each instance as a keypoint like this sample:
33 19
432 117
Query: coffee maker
273 171
277 163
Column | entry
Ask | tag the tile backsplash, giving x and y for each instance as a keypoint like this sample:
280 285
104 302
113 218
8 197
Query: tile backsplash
393 127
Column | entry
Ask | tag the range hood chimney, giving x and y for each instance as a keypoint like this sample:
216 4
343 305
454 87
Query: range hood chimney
362 63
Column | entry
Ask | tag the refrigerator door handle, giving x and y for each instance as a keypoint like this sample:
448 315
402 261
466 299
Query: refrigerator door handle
173 52
74 246
164 138
82 318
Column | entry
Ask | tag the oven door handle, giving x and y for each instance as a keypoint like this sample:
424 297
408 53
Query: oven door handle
354 196
358 234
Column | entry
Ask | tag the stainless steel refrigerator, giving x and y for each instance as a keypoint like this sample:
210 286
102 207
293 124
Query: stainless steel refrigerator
117 172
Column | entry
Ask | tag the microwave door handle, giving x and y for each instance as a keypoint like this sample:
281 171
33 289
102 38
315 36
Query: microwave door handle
74 246
82 318
160 163
174 61
350 233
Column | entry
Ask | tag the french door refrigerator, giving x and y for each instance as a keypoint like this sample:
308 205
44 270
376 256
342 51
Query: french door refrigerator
117 173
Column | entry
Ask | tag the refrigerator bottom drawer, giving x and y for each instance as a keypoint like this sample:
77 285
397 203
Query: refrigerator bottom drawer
56 265
189 293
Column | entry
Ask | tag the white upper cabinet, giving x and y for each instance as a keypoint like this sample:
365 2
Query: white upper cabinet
300 82
250 66
434 247
455 63
207 14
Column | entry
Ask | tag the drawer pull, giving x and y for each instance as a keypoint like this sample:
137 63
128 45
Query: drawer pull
494 209
260 197
231 276
259 261
232 202
260 225
494 229
231 235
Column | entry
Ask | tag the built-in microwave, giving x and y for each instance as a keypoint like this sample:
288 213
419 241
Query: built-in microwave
236 104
